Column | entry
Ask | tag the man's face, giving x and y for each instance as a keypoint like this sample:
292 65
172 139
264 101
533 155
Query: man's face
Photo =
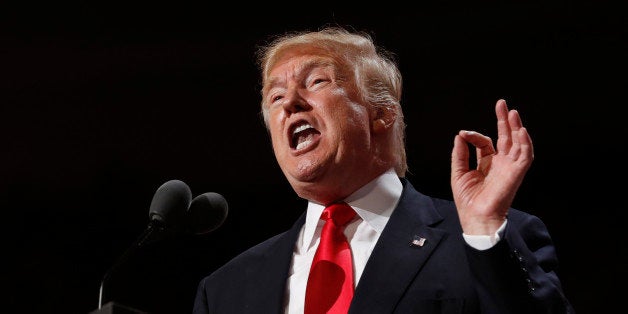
320 131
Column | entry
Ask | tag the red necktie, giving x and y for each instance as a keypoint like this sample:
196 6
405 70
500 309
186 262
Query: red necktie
330 283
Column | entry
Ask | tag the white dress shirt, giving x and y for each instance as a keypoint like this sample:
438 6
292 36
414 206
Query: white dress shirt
373 204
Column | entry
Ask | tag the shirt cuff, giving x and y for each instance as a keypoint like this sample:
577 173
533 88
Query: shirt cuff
485 242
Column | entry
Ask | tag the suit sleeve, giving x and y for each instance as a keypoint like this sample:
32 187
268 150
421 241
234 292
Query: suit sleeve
200 301
519 274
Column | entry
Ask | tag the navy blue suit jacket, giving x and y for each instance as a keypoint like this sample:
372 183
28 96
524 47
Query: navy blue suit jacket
445 275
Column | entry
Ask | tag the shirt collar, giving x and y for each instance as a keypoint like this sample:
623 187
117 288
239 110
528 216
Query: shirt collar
374 203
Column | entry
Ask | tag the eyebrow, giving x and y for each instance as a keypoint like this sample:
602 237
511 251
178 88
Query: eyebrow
302 68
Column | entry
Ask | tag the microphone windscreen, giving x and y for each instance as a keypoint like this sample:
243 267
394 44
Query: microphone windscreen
207 212
170 202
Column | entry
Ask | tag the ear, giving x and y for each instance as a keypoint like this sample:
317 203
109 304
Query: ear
383 118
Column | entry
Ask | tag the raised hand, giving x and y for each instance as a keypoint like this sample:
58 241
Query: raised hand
484 194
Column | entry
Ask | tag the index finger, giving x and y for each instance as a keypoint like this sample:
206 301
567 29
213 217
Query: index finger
504 139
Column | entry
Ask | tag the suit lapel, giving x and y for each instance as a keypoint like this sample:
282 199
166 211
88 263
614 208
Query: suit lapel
402 249
270 285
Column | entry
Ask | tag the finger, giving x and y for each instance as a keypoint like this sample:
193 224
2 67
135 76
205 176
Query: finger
459 158
521 141
526 147
504 136
514 120
483 144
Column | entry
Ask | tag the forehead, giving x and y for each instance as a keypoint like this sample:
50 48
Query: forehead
296 64
301 52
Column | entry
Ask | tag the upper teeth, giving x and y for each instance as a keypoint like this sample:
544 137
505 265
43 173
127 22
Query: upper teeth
301 128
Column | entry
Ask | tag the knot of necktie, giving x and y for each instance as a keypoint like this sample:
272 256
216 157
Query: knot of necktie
339 213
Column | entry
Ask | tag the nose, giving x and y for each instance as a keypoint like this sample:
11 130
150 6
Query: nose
295 101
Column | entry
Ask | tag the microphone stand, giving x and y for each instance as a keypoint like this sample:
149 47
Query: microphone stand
155 226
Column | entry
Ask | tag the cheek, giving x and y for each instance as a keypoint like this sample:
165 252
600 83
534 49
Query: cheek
355 117
356 129
275 122
274 131
275 137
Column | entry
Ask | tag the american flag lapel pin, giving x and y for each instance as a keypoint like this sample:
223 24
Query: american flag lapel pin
418 241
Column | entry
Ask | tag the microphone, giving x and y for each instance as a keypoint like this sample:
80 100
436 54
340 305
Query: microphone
206 213
172 210
167 212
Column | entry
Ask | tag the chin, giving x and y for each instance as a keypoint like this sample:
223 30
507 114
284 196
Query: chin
306 171
315 189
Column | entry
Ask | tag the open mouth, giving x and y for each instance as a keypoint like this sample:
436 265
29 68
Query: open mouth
303 134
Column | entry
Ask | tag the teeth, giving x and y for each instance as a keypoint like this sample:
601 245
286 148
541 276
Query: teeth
302 140
301 128
303 144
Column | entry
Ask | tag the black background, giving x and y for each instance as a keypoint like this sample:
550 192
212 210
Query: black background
100 104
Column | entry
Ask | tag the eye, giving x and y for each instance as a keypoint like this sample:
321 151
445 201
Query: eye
317 81
274 97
